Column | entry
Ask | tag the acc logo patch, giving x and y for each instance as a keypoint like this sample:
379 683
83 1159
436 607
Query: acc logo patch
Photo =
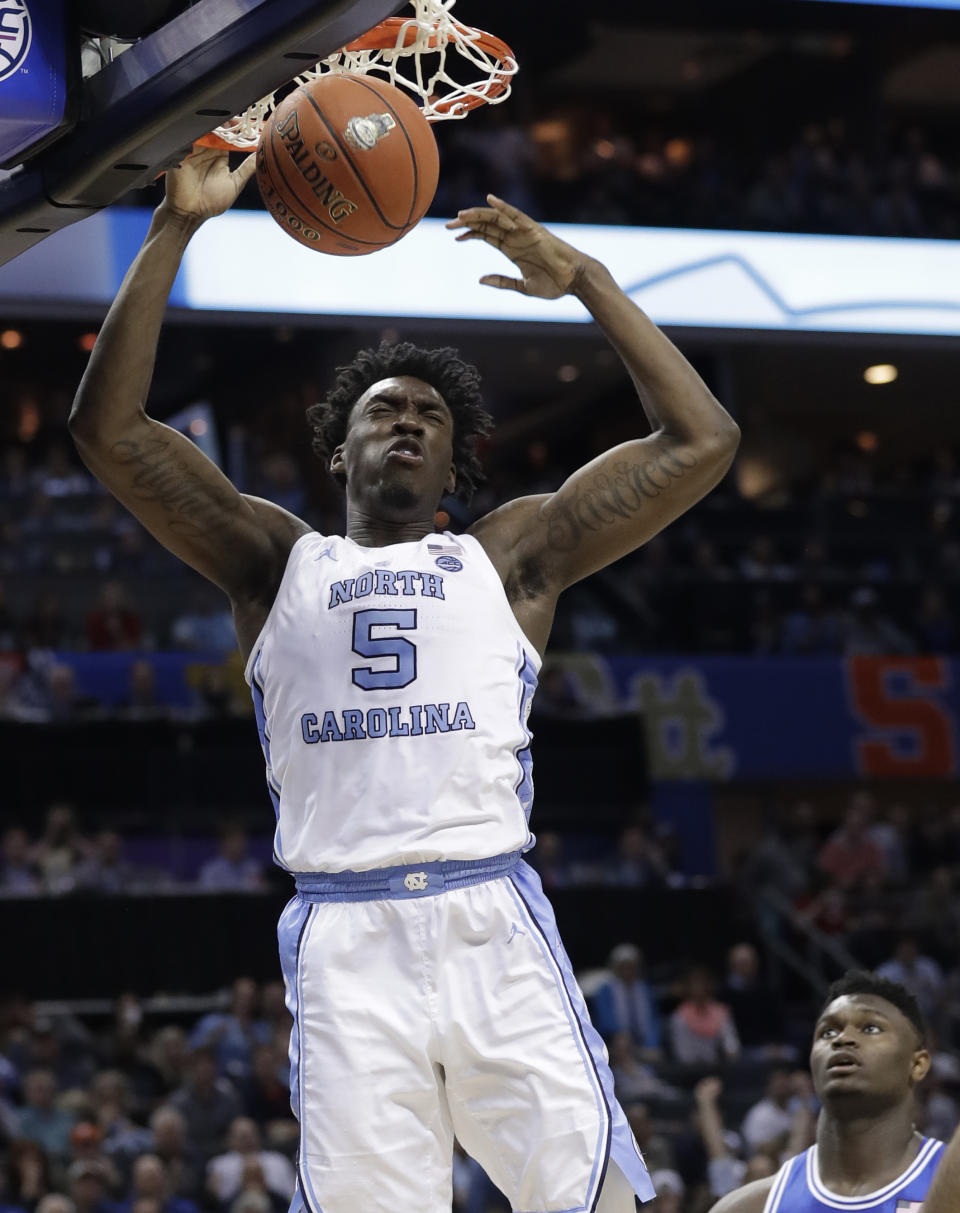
449 564
16 31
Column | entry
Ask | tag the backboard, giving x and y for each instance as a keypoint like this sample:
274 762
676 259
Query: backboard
143 111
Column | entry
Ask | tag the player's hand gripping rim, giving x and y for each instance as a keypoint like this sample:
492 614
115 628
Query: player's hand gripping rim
550 267
202 185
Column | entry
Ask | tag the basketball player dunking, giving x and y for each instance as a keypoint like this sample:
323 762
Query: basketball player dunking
392 670
867 1058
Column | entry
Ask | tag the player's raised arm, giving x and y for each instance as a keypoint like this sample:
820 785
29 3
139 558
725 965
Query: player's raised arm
625 496
178 494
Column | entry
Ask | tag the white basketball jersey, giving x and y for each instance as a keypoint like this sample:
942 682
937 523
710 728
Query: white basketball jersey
392 688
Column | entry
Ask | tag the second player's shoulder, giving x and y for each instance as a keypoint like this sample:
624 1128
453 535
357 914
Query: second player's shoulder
751 1198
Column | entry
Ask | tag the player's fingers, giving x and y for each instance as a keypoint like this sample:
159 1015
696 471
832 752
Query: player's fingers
474 215
493 238
244 171
503 284
506 211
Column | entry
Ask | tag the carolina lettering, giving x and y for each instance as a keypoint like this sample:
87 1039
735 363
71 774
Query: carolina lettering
415 720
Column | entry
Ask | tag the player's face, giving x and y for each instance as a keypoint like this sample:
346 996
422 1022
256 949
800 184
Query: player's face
399 444
866 1054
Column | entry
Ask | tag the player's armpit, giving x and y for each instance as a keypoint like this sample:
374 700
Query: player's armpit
619 500
749 1199
184 501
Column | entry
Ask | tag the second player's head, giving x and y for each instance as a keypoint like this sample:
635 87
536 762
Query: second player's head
400 428
869 1046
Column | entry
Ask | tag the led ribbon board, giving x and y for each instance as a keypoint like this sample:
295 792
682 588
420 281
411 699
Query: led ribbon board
681 278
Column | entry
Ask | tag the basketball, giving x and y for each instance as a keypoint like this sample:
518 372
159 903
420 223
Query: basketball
347 165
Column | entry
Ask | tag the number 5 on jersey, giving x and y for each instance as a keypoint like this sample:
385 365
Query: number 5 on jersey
403 651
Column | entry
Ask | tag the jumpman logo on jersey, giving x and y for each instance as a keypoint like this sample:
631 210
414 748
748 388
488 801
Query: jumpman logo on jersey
514 930
327 551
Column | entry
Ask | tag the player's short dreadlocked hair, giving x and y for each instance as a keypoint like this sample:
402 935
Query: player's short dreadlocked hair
859 981
457 382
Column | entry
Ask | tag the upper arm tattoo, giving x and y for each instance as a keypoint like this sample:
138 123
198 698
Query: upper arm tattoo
610 495
193 505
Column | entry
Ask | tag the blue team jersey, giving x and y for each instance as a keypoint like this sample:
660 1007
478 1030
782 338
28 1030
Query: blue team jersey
799 1189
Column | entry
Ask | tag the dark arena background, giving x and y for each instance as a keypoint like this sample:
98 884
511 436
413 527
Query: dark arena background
746 733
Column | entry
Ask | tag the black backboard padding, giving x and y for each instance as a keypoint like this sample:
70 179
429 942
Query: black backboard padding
140 114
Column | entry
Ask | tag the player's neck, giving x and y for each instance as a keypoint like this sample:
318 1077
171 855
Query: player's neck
861 1155
374 531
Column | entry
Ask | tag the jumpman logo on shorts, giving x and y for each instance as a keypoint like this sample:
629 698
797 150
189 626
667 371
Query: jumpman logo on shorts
514 930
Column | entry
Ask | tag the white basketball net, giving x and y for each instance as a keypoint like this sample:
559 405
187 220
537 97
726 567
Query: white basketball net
431 31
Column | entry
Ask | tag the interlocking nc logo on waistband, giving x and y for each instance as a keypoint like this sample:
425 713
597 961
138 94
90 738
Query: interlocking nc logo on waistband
415 882
15 34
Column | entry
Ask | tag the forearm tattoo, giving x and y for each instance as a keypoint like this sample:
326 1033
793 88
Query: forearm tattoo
194 506
612 495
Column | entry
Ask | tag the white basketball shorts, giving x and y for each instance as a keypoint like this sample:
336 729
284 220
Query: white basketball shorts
437 1008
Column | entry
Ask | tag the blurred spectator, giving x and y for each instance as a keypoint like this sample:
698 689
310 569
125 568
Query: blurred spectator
45 625
111 1100
867 631
113 624
41 1120
558 694
27 1177
88 1183
19 875
702 1032
105 870
59 476
205 627
850 854
123 1049
640 861
142 702
726 1170
184 1167
655 1147
670 1190
756 1008
892 835
922 976
768 1123
208 1103
236 1033
266 1092
60 1045
548 859
632 1078
170 1055
225 1172
150 1181
60 848
812 628
86 1145
55 1202
48 694
782 859
625 1002
233 870
935 624
278 480
934 912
